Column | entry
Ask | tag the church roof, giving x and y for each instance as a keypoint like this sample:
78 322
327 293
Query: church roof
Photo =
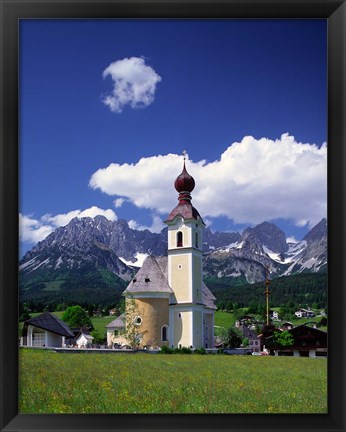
207 297
119 322
50 322
186 210
152 277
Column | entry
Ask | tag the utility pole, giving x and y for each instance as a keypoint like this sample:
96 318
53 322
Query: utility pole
267 293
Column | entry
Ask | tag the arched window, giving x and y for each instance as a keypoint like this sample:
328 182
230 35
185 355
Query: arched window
179 239
164 334
196 240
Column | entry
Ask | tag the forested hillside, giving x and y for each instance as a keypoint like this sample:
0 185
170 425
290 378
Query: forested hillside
302 289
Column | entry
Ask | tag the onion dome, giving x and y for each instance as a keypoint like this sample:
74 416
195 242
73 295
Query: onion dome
184 182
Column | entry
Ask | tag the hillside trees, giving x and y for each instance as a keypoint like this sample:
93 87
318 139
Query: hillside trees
302 289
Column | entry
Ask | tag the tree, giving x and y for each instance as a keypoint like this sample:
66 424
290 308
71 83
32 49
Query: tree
283 339
76 316
268 330
245 342
323 322
98 338
237 313
234 338
229 306
24 312
253 308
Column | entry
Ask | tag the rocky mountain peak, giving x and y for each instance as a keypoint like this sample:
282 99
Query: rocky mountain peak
100 243
269 235
317 232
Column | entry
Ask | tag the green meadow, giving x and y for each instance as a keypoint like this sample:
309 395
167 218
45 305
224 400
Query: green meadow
52 382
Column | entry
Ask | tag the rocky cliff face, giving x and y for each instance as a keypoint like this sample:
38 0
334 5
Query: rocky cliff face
265 247
101 244
311 253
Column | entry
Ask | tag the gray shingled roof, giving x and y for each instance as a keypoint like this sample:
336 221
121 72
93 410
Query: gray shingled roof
152 277
155 271
246 332
119 322
50 322
207 297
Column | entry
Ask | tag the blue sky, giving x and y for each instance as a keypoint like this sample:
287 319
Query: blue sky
108 106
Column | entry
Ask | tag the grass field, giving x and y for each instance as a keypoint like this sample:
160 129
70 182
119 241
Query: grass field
51 382
224 319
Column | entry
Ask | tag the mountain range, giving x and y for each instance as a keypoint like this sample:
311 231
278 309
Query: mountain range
98 254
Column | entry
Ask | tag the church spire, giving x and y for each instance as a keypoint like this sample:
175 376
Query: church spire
184 184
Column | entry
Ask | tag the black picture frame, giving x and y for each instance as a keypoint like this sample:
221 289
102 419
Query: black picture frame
13 10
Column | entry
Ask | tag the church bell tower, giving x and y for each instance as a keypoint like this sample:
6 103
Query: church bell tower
185 229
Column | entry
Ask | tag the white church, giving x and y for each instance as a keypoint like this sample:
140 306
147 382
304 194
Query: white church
174 306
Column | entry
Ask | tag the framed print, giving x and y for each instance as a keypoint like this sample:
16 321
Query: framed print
110 109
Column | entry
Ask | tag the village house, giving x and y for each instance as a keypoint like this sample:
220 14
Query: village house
83 339
46 330
114 328
287 325
254 340
304 313
308 342
174 306
274 315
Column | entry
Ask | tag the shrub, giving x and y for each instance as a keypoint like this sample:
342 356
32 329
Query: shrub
182 350
200 351
166 350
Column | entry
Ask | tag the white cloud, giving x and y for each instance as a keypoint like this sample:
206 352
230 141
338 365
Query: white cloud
147 184
119 202
292 239
156 227
64 219
34 230
254 180
134 84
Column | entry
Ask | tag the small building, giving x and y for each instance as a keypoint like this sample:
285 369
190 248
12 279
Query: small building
274 315
254 340
114 330
286 325
304 313
46 330
83 338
